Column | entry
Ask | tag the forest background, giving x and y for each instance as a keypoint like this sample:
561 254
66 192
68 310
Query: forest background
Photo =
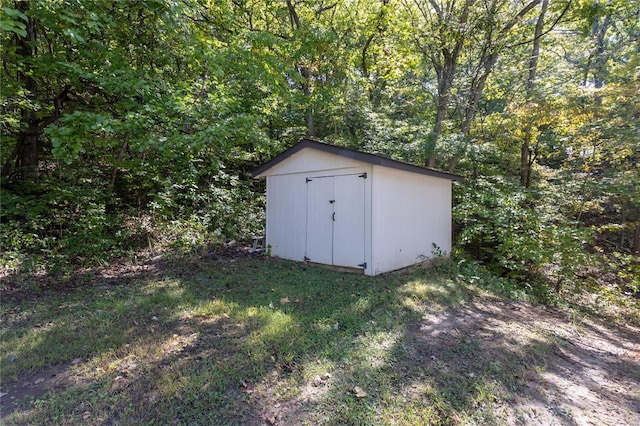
132 127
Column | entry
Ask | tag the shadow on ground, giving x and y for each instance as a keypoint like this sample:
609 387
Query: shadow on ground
219 340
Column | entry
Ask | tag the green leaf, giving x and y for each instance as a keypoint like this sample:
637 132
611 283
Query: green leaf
9 23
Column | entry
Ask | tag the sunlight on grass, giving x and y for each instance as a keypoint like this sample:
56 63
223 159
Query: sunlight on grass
375 349
214 309
418 294
277 337
362 304
165 292
261 338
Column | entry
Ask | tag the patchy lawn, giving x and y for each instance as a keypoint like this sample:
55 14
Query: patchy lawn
258 341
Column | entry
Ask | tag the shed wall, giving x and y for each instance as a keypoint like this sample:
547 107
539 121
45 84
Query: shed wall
286 227
286 216
310 161
410 213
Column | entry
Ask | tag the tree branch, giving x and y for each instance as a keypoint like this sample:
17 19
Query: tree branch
555 22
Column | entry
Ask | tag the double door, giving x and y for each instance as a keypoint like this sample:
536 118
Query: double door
335 220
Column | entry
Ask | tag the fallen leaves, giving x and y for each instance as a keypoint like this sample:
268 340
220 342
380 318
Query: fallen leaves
321 379
285 300
119 383
247 387
359 393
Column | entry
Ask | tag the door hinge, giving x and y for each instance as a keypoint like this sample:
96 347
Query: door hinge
363 265
308 180
306 259
364 175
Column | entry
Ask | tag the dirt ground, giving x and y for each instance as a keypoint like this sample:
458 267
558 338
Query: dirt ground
590 375
576 371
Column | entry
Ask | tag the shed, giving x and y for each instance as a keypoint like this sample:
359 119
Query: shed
336 206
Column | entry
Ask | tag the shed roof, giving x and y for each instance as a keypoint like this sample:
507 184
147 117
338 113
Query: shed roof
356 155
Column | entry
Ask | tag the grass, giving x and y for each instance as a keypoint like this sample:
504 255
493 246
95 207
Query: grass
251 341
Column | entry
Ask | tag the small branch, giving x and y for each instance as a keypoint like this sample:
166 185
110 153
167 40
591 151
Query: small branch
323 9
553 25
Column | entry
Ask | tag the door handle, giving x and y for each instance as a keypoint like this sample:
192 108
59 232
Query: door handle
334 216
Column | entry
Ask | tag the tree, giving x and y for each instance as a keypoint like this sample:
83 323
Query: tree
467 30
525 150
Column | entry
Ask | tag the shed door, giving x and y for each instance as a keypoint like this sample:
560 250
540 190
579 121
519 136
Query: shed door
320 220
335 220
348 228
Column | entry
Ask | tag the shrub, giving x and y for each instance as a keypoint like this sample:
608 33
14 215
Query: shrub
520 233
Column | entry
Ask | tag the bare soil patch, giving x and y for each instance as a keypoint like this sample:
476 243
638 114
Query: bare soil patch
581 371
32 386
536 365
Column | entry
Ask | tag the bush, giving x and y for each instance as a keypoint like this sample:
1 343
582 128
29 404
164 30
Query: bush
225 208
56 226
522 234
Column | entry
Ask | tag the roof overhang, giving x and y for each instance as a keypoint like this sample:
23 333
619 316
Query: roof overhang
353 154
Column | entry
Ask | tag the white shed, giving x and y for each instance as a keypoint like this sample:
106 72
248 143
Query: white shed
332 205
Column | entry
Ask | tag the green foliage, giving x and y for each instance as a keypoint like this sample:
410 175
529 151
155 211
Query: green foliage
226 209
13 20
627 269
80 233
514 231
134 124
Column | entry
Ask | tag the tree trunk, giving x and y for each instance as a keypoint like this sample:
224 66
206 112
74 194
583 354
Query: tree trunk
525 157
601 57
375 89
525 149
304 70
622 225
441 113
29 153
444 60
445 72
23 161
309 120
306 91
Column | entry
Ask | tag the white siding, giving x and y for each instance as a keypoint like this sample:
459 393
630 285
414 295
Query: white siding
313 162
286 228
349 224
410 213
404 213
319 221
286 216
